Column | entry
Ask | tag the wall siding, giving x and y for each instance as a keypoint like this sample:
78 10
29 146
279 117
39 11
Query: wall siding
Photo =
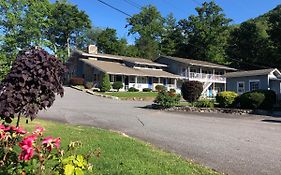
231 83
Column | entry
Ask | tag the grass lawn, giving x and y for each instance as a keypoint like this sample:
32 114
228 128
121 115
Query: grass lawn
119 154
131 95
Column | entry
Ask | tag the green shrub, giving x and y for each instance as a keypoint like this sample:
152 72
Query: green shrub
191 90
88 85
160 88
132 89
226 99
167 99
259 99
117 85
105 84
270 99
204 103
251 100
146 90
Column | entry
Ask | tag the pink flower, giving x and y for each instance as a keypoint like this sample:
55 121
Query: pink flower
26 153
38 130
18 130
57 142
2 127
27 147
28 141
49 142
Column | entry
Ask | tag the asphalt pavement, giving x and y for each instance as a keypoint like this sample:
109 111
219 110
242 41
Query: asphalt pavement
249 145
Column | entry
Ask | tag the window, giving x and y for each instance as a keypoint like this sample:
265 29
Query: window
240 87
132 79
254 85
142 80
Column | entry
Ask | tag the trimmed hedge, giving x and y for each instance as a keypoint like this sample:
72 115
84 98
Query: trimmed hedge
146 90
117 85
226 99
132 89
191 90
251 100
105 84
259 99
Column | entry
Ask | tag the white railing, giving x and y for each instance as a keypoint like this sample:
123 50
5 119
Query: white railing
194 75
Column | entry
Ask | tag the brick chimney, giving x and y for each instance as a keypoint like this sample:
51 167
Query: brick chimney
92 49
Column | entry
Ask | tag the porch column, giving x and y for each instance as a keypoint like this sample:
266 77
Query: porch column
159 80
200 69
188 71
175 83
136 80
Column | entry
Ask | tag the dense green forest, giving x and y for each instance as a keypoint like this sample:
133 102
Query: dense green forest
207 35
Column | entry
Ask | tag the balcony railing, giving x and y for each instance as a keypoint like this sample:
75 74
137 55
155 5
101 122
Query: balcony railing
202 76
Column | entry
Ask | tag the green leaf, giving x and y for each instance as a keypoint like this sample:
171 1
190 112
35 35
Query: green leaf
69 170
78 171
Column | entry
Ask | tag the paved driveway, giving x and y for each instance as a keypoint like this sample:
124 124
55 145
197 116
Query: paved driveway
233 145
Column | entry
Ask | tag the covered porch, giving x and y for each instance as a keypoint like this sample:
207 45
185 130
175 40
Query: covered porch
141 82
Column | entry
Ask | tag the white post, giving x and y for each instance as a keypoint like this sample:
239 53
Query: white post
188 71
200 72
175 83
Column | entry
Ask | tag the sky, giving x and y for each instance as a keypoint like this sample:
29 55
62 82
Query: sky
103 16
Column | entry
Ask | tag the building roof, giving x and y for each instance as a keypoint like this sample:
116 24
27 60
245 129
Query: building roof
120 69
252 73
134 60
198 63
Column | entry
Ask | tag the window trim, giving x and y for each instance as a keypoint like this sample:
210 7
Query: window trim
243 82
252 81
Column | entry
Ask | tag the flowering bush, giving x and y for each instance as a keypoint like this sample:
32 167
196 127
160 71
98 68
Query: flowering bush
167 99
29 153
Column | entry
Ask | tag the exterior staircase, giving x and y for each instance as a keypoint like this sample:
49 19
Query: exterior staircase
206 86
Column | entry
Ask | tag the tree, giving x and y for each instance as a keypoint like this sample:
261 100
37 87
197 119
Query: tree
88 37
22 24
148 26
67 23
274 30
108 42
249 43
205 34
171 37
31 85
105 84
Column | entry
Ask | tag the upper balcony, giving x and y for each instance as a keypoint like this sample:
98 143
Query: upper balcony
202 77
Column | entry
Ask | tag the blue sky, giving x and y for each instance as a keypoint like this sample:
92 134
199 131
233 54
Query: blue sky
103 16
